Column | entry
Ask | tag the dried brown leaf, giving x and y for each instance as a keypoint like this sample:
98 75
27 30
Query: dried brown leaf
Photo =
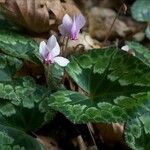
110 132
70 9
83 43
55 6
31 14
2 1
101 20
37 15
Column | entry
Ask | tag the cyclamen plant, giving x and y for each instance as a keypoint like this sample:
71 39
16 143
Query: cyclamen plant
116 87
71 27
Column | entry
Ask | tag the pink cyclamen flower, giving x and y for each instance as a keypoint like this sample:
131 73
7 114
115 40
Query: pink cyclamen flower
71 26
50 51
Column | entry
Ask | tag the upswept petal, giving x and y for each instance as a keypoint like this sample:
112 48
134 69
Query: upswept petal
80 21
56 50
65 27
43 49
67 21
51 43
61 61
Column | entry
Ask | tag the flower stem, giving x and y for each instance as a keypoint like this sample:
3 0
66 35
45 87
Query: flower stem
46 72
65 42
50 80
110 29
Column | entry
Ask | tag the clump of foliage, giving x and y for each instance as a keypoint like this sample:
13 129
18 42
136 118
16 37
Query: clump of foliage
115 84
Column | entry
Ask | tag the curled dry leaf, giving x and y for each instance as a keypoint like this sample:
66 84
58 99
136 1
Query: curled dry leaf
2 1
139 36
59 9
83 43
100 21
86 4
110 4
55 6
70 9
37 15
31 14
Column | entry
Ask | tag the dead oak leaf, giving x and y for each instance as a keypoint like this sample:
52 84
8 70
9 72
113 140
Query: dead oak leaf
31 14
2 1
101 20
36 15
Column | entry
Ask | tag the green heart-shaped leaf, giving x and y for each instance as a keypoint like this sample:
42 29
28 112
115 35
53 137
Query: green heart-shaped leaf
21 112
142 53
8 67
137 132
19 46
13 139
20 102
116 86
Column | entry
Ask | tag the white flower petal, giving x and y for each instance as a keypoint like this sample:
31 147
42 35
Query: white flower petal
56 50
125 48
51 43
43 49
61 61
